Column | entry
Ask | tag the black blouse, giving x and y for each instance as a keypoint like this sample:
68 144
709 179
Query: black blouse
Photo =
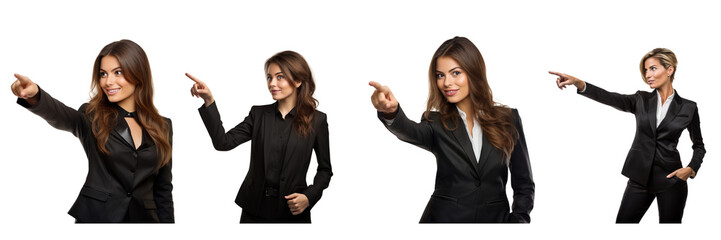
126 185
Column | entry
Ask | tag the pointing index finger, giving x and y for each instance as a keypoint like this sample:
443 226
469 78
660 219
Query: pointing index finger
376 85
193 78
23 79
557 73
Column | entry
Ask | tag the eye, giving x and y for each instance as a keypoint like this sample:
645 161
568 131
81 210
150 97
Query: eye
103 74
280 77
653 68
439 75
118 73
456 73
268 78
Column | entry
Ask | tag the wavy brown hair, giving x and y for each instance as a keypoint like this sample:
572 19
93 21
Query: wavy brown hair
495 119
295 66
136 70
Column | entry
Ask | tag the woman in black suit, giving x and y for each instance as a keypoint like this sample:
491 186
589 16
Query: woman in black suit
474 139
653 164
127 142
284 135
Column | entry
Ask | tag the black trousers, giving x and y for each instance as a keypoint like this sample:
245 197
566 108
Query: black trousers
637 199
274 209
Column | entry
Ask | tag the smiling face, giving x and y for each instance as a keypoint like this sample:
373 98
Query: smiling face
452 80
114 85
657 75
280 85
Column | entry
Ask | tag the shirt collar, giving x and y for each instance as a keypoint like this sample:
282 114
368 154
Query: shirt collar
462 113
122 113
291 113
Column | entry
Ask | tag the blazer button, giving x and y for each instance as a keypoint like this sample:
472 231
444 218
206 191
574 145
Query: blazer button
129 194
478 183
132 170
135 155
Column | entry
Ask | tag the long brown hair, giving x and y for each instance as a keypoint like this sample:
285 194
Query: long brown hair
297 68
136 70
495 119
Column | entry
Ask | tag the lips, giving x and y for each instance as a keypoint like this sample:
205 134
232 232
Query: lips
650 82
112 91
274 91
450 92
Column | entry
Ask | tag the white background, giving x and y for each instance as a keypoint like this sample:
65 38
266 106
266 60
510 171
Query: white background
381 185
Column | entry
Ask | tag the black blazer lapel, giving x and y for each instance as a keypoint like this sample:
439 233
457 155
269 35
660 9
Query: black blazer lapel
673 110
461 136
485 153
123 131
651 111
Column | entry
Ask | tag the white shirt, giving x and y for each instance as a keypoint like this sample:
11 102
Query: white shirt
662 110
477 138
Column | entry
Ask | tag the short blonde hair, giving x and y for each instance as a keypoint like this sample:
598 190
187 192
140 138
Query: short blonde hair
665 56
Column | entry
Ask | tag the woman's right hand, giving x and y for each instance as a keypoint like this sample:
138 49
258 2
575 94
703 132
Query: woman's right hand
383 99
25 88
564 80
200 90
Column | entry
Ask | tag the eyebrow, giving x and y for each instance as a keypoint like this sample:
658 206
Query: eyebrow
121 68
448 70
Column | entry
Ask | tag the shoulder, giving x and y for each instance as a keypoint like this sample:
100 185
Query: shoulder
432 116
261 108
319 114
685 101
83 107
167 120
644 94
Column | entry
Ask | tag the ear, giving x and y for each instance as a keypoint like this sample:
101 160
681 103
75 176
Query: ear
670 70
297 84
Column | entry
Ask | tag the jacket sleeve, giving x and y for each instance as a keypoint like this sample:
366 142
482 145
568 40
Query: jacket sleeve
694 131
163 187
521 177
626 103
419 134
324 171
57 114
223 141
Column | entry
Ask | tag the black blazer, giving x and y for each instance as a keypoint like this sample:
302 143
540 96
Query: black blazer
654 143
127 182
466 191
255 127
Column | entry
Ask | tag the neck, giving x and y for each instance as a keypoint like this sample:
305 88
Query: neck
465 106
128 105
286 104
665 91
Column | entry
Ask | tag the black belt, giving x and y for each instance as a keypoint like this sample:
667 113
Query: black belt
271 192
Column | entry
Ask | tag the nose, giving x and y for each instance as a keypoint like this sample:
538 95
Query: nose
273 82
110 80
648 75
448 81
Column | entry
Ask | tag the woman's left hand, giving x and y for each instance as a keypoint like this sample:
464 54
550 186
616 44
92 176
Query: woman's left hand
682 173
297 202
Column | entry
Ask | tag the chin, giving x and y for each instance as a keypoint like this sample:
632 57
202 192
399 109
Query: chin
452 100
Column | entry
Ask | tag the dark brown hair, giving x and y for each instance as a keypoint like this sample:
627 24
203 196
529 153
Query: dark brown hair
295 66
495 119
136 70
